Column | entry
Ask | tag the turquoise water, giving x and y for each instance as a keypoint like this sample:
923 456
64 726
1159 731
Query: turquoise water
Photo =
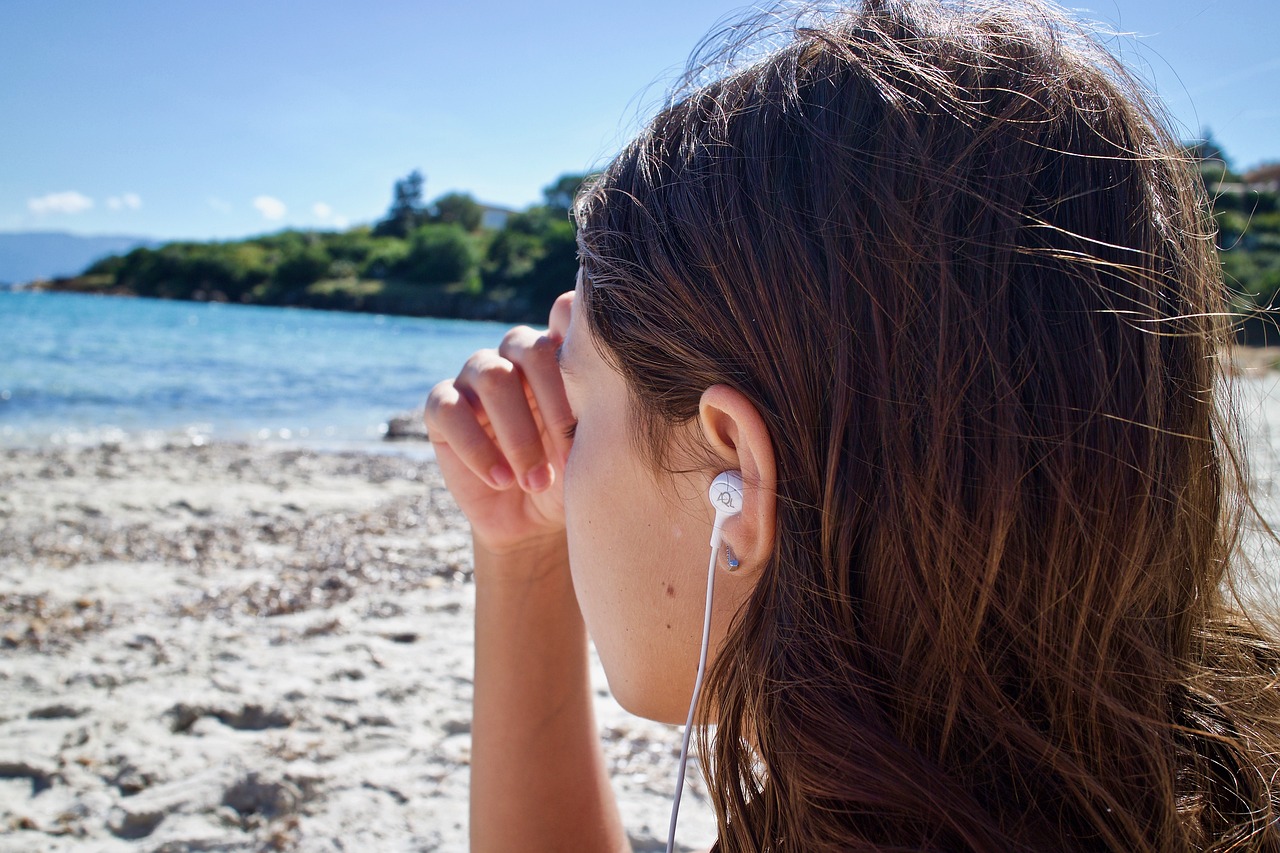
77 368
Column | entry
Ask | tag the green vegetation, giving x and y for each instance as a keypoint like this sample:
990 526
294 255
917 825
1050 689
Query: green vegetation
1246 210
435 259
439 259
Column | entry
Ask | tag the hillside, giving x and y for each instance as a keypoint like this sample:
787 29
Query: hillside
30 255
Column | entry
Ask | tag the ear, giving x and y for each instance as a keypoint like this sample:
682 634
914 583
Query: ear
735 431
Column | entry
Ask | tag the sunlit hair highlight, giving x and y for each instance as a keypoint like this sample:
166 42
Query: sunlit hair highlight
967 278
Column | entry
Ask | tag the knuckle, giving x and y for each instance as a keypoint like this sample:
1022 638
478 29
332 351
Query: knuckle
442 394
493 376
516 341
517 334
479 360
560 311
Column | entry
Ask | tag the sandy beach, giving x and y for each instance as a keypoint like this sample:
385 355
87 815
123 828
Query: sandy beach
243 648
248 647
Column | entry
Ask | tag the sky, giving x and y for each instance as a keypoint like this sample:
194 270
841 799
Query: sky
172 119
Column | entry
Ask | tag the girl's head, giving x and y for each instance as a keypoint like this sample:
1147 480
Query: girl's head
963 276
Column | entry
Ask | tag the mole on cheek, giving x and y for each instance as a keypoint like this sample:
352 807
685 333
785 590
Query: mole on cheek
671 591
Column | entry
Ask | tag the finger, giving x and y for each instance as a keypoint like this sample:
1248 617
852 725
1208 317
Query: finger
561 311
451 420
495 385
535 354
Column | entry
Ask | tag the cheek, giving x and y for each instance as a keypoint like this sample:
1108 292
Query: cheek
630 557
603 555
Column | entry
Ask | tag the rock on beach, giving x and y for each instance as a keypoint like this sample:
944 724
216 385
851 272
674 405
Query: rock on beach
246 648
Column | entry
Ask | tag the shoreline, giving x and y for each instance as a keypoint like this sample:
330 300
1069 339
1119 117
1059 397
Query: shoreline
401 433
1252 361
388 296
246 647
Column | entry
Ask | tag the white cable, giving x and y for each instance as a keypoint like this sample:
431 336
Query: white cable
697 688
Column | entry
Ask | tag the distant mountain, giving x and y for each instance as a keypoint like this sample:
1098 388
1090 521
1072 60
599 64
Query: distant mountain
28 255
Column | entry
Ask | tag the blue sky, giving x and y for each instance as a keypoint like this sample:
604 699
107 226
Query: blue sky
173 119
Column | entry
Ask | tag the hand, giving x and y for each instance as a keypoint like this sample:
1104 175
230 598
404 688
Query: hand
500 432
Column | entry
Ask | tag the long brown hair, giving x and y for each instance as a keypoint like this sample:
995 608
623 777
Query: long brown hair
966 275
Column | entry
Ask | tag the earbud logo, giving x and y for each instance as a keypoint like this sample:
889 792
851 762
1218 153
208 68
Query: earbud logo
726 498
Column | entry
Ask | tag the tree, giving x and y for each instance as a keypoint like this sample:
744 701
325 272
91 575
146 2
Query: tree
442 254
302 267
560 195
554 272
385 256
407 211
1214 164
535 256
512 254
458 209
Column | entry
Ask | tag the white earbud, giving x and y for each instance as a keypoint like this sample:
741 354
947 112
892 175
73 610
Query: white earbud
725 495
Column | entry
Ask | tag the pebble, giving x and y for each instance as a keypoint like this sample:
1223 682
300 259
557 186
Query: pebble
243 648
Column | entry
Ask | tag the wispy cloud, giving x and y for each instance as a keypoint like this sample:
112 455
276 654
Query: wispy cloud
1234 78
325 214
270 208
219 205
65 202
125 201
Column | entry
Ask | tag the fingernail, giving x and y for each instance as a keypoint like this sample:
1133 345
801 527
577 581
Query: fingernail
539 478
501 476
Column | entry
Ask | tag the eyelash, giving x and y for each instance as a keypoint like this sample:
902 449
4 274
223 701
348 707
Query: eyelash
571 430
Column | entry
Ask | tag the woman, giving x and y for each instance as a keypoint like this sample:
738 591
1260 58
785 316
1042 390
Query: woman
939 284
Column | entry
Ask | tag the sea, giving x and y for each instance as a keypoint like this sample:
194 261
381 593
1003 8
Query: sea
77 369
82 369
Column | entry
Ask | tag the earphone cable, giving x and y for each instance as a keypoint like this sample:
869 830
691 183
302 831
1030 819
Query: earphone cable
697 689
